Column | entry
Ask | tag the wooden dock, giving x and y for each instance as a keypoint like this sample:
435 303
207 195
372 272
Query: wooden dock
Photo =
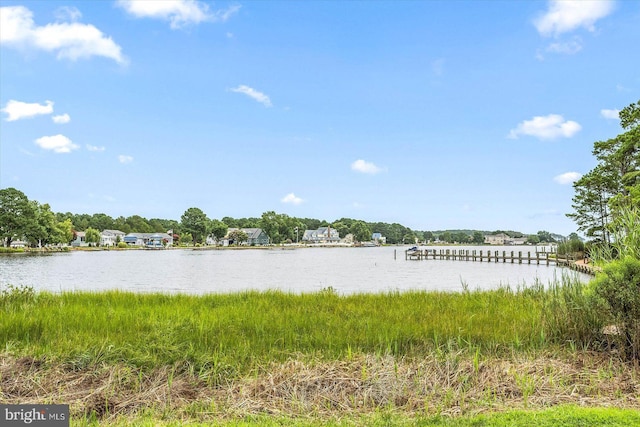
538 258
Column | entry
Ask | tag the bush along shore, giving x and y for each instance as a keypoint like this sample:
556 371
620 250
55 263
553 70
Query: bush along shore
311 359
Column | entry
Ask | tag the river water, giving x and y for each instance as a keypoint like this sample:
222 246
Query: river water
346 270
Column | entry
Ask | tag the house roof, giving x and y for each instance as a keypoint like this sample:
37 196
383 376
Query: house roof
252 233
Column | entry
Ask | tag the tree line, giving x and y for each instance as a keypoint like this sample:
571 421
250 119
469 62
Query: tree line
21 218
607 198
24 219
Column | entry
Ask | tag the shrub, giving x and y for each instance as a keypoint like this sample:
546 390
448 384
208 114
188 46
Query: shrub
619 287
122 245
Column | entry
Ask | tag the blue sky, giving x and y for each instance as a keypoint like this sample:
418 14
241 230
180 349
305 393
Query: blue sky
432 114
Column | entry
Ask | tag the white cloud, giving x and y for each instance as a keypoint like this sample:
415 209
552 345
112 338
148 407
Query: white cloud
179 13
567 178
68 13
254 94
365 167
292 199
546 127
21 110
95 148
56 143
564 16
69 40
566 48
124 159
610 114
61 119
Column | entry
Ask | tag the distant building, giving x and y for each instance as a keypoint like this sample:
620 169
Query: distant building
378 238
148 239
255 237
111 237
321 235
79 240
496 239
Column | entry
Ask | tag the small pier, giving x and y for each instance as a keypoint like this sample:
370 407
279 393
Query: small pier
513 257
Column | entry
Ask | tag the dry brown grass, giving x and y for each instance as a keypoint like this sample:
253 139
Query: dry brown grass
447 385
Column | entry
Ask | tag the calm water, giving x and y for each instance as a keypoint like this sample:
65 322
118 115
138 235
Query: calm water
347 270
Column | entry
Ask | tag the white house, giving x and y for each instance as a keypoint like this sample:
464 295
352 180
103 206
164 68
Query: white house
111 237
148 239
80 239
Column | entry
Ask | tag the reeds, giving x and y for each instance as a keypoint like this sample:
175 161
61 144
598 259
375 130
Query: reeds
253 353
226 335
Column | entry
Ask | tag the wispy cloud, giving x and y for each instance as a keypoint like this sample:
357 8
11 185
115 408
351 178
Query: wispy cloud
22 110
95 148
567 178
69 40
610 114
124 159
564 16
61 119
179 13
67 13
546 127
253 94
363 166
291 199
56 143
567 48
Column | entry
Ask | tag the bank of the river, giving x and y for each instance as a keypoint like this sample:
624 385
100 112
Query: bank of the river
309 359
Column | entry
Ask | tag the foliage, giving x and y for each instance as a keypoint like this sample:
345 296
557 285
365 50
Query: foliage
573 247
92 236
280 227
16 215
218 229
361 231
195 222
613 186
238 237
619 287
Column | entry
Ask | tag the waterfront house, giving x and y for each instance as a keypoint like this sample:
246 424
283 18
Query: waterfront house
79 239
111 237
496 239
148 239
255 237
378 238
321 235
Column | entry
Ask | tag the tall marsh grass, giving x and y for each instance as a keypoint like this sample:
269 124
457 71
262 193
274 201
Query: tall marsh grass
220 336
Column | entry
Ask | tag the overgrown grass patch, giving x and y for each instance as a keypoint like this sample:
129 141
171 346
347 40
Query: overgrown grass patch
237 332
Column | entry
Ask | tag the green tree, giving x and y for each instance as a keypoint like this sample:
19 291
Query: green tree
238 236
42 229
545 237
185 238
92 236
341 228
16 214
63 233
195 222
361 231
630 116
613 186
218 229
477 238
533 239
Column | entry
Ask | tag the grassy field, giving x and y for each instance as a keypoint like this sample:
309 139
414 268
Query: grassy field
411 358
